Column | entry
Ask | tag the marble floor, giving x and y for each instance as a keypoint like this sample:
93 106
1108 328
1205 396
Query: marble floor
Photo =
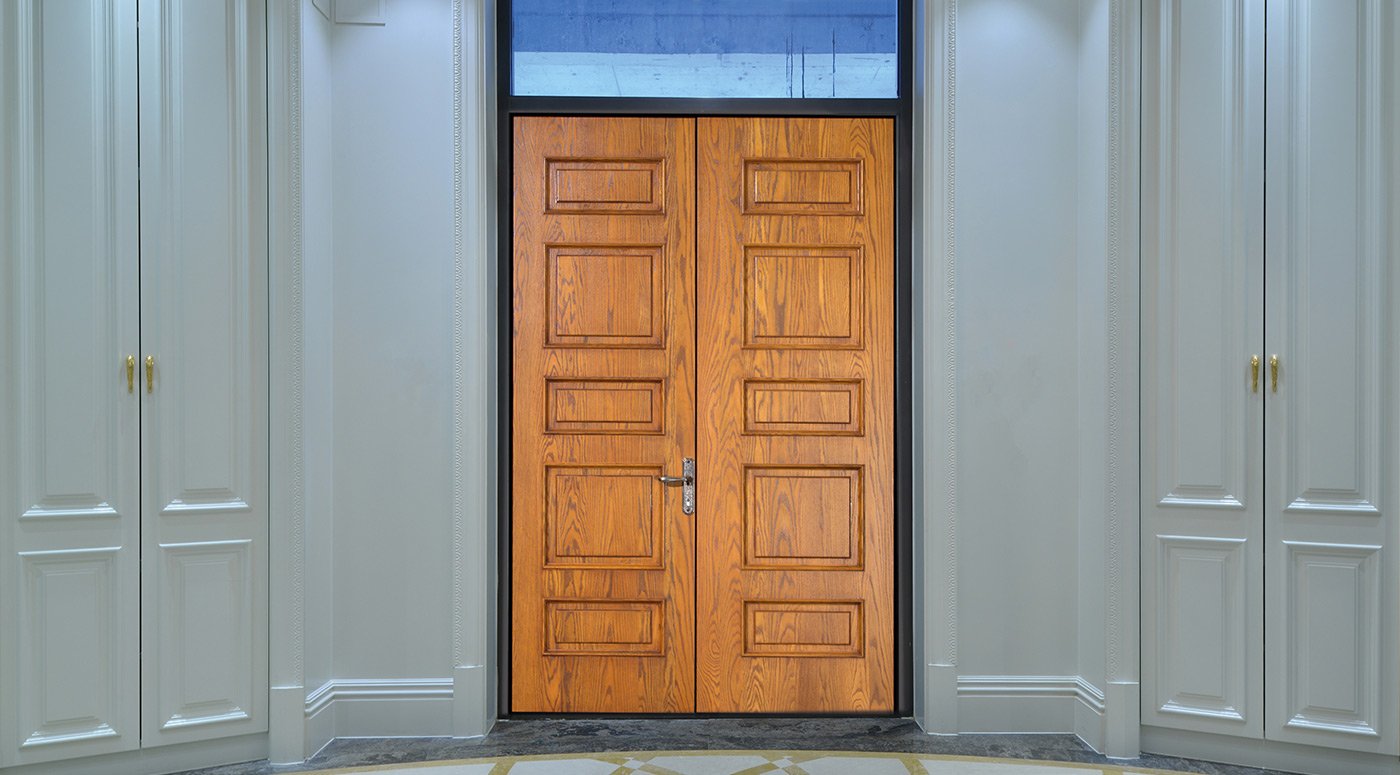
513 737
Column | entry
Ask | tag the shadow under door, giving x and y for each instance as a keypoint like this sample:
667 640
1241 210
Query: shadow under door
702 473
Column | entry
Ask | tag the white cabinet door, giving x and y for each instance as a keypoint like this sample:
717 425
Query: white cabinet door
69 435
1331 515
203 321
1202 240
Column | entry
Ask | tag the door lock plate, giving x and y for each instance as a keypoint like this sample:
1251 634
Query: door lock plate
686 481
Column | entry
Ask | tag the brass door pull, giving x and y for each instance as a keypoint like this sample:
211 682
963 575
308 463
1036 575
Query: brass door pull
131 373
150 373
1273 373
1254 374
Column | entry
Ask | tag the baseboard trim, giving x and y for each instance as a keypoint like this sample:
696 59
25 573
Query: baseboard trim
1031 704
377 689
1266 754
171 758
378 707
1032 686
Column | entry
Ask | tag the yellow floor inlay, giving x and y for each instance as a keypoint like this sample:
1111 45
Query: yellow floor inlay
746 763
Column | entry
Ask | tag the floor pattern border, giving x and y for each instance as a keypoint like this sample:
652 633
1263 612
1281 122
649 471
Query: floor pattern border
913 761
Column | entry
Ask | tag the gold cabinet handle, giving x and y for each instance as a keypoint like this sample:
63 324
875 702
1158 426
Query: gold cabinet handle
131 373
1254 374
150 373
1273 373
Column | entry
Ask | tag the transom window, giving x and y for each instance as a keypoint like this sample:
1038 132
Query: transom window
813 49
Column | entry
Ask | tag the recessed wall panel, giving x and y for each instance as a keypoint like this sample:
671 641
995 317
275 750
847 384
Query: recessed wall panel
1331 254
1333 609
206 615
1202 627
70 661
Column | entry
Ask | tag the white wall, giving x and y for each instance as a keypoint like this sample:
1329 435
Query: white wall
318 304
377 117
1017 376
1030 230
1033 233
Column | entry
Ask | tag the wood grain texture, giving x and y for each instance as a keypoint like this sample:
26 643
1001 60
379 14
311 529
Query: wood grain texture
796 278
602 616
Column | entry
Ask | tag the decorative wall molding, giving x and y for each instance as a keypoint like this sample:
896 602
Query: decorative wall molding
286 486
1032 704
378 707
340 690
458 334
1122 505
474 364
1034 686
950 324
935 118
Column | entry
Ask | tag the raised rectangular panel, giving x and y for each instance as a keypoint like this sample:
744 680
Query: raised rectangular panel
1333 650
615 186
69 435
604 627
203 245
1202 627
1202 538
204 317
611 406
1333 585
785 628
1208 329
797 517
1332 249
603 517
206 614
804 296
803 187
71 660
605 296
804 407
77 260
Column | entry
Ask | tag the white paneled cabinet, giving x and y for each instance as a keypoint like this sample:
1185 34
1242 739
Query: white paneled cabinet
133 576
1270 583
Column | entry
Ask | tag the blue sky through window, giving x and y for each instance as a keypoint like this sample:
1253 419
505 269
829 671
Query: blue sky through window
709 48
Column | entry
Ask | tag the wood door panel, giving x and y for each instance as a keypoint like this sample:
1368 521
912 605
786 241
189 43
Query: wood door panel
603 559
795 519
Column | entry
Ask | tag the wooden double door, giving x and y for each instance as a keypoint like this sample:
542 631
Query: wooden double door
720 290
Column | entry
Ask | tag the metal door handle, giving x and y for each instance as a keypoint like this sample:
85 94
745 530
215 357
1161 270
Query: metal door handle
131 373
150 373
1273 373
686 481
1254 374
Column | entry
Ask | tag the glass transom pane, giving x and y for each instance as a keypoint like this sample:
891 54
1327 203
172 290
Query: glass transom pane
705 48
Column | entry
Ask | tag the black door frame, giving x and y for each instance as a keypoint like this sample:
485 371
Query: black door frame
901 110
